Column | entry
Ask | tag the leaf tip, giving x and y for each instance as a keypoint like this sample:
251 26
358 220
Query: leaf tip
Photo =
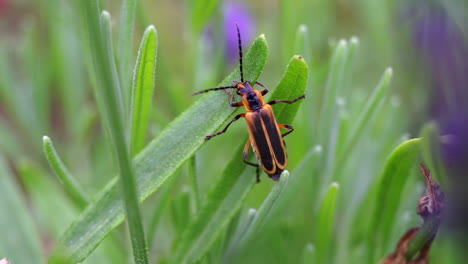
318 149
303 28
389 72
45 139
151 29
335 185
105 14
354 40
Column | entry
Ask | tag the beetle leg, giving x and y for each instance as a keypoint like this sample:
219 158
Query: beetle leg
288 127
264 87
225 128
287 101
231 96
244 158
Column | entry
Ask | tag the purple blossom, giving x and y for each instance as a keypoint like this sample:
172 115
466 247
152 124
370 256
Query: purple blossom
444 52
240 14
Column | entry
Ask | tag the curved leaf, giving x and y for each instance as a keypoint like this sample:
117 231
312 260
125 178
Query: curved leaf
142 90
390 186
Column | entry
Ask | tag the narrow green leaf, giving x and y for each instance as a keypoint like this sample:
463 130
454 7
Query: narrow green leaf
243 225
157 162
142 90
125 48
19 240
63 174
431 147
326 220
160 207
365 116
195 181
327 116
181 209
389 188
201 11
114 106
309 254
302 43
263 213
225 199
108 60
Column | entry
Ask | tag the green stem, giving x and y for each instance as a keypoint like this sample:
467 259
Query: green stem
423 236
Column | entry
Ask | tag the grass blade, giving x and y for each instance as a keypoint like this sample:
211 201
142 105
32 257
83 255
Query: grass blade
225 199
127 21
19 241
156 163
431 147
326 219
202 11
365 116
115 108
389 188
63 174
264 213
142 90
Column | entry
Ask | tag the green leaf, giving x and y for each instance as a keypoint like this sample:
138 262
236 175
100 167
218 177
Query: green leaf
155 164
113 102
142 90
326 219
63 174
225 198
125 48
309 254
201 11
389 188
264 213
367 112
431 147
19 240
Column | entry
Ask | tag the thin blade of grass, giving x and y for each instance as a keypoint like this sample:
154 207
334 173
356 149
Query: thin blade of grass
431 147
326 219
365 116
19 240
201 11
125 48
142 89
388 194
71 186
263 213
156 163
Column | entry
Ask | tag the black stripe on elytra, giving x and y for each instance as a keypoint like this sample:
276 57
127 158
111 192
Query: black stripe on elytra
274 136
261 142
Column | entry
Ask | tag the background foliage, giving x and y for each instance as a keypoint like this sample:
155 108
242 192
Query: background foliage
372 79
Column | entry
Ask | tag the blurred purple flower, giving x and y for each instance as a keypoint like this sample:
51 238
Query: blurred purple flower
444 52
240 14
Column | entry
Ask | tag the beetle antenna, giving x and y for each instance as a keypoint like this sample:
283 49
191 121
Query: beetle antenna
214 89
240 52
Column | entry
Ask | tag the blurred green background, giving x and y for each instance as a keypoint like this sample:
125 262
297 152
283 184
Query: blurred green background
47 88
